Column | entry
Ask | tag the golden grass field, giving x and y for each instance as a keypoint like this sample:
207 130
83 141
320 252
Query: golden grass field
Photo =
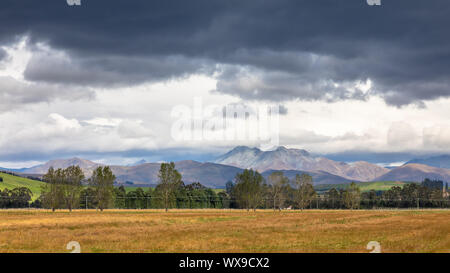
225 231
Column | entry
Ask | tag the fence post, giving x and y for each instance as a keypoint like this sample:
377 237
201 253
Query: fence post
86 203
418 204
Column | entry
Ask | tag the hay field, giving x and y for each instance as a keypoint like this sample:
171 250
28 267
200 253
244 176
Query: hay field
224 231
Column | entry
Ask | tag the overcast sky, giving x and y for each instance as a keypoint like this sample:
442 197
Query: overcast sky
100 80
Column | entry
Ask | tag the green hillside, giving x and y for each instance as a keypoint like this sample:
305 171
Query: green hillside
364 186
11 182
133 188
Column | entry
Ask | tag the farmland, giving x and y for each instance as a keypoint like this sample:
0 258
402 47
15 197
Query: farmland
364 186
11 182
225 230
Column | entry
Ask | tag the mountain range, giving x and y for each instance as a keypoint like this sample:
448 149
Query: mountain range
209 174
290 161
86 165
296 159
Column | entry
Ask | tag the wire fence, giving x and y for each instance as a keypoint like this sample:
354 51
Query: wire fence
217 202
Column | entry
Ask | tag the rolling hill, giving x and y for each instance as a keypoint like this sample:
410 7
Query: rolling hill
11 181
442 161
364 186
415 173
319 177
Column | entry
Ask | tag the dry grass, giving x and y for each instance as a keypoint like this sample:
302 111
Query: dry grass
225 231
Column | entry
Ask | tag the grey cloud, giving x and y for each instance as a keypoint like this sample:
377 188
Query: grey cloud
304 137
301 49
17 94
249 109
173 154
253 83
402 134
437 136
111 71
3 54
283 110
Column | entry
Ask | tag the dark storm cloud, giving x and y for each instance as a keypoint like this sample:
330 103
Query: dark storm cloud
111 70
312 50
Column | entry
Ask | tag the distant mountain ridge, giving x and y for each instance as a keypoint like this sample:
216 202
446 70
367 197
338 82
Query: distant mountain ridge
140 162
442 161
12 170
415 173
86 165
289 161
297 159
209 174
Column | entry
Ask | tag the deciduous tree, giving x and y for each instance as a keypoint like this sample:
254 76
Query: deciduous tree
249 189
277 183
71 186
352 196
304 190
169 180
102 181
52 194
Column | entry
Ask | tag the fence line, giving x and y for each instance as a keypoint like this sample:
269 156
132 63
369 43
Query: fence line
133 202
235 199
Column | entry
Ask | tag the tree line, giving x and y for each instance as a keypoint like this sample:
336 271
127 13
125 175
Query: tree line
171 192
64 188
69 189
251 191
16 198
428 194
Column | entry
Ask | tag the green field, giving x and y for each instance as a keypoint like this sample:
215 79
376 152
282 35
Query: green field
132 188
11 182
364 186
